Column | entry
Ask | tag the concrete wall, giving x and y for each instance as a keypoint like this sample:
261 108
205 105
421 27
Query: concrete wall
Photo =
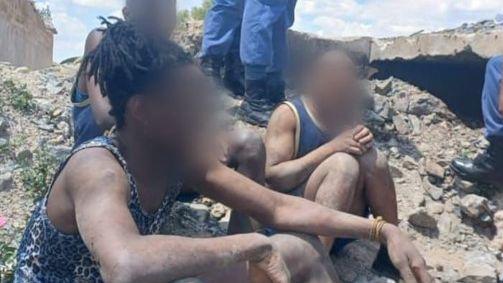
24 38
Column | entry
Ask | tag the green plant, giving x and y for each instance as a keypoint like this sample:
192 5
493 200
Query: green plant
199 13
7 262
182 17
19 96
37 175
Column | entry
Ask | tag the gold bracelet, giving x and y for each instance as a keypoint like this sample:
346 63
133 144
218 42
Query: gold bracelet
375 231
379 230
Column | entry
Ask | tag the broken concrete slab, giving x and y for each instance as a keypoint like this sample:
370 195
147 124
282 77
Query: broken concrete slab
485 45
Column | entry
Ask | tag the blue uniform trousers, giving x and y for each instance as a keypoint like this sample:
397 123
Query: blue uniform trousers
490 98
257 27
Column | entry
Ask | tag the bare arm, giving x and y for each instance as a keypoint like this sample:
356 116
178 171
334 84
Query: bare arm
284 173
99 104
278 210
106 225
289 213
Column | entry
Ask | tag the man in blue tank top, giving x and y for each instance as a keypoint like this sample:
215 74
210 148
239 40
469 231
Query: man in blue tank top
487 167
318 149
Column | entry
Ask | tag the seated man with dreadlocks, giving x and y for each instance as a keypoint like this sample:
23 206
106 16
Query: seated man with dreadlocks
241 149
101 216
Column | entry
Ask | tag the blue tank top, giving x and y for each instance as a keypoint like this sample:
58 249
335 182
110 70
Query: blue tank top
84 124
47 255
308 135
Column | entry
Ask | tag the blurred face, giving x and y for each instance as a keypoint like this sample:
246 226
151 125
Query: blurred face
179 113
334 84
156 16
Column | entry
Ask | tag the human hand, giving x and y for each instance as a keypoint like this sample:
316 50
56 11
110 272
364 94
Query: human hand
364 137
404 255
269 268
345 142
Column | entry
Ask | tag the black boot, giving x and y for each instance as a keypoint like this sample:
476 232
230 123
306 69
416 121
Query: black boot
234 75
485 168
383 265
276 89
212 67
256 109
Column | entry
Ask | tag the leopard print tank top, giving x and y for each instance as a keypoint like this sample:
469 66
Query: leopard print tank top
47 255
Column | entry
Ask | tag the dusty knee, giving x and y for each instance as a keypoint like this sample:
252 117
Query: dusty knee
374 161
342 165
247 146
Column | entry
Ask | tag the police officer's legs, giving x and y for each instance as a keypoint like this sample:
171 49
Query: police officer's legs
487 166
222 25
257 52
275 73
233 68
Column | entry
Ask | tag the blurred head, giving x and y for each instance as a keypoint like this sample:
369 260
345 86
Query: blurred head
154 88
333 82
154 16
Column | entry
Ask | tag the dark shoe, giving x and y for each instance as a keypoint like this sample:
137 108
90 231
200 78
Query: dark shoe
485 168
212 67
234 75
256 109
383 266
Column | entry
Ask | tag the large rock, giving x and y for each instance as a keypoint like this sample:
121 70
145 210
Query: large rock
475 206
402 124
434 169
448 224
465 186
382 108
479 267
421 218
433 191
185 220
384 87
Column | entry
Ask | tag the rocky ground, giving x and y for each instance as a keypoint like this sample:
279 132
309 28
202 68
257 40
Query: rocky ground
457 225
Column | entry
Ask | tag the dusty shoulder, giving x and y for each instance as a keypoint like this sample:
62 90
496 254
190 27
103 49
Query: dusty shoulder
94 168
282 118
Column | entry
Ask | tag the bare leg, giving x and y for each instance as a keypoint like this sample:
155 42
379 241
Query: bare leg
337 184
380 195
380 191
247 155
304 256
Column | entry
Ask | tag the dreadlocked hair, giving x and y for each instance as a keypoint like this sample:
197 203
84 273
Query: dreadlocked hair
128 62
